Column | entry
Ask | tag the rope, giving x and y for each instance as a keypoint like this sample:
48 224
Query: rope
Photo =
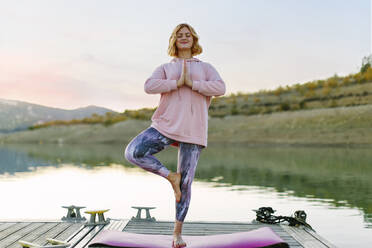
265 215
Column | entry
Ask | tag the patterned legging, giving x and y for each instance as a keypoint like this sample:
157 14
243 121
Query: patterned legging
140 152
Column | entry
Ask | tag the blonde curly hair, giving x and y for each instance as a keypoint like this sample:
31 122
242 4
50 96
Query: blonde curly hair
172 48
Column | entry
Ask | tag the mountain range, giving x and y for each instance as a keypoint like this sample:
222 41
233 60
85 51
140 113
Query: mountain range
18 115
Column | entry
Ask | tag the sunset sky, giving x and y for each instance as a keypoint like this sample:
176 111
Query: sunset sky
74 53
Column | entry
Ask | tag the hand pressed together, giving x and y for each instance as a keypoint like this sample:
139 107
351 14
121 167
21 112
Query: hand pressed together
185 77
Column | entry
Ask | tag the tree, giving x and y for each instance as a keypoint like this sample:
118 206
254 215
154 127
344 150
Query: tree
366 63
278 91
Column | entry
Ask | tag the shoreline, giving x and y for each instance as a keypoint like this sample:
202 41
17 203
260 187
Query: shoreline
336 127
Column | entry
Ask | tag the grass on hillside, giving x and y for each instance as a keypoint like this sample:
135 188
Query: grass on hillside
328 126
352 90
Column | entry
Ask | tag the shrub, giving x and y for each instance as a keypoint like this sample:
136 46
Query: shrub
311 86
284 106
366 64
234 110
333 103
326 91
367 75
278 91
302 104
332 82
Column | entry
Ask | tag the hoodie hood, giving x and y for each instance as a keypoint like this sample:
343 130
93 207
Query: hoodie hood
187 60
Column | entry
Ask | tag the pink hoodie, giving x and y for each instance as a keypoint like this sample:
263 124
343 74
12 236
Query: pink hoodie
182 113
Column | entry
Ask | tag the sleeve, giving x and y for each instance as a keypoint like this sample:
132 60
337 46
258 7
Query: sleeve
213 86
157 83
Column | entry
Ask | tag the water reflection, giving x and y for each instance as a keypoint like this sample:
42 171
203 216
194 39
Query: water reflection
339 176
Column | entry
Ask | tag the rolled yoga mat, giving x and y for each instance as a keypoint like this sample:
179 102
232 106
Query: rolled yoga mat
261 237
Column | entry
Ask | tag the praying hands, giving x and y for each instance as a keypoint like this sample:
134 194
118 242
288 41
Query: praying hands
185 77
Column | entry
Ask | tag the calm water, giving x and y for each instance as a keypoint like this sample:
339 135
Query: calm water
332 185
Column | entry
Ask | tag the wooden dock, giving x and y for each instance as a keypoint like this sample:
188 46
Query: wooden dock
79 235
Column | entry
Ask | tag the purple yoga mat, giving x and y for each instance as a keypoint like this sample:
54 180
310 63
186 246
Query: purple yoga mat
261 237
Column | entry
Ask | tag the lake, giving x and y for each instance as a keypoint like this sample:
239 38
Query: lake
332 184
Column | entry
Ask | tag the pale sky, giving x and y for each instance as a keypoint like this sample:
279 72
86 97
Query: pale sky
74 53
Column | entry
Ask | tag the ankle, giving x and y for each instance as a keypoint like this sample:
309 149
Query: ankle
170 176
177 227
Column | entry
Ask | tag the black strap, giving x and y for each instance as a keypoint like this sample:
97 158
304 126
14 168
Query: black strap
265 215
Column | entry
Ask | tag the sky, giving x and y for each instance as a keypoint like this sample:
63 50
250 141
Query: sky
74 53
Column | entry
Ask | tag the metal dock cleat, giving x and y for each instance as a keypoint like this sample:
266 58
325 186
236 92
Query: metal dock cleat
101 217
148 216
73 214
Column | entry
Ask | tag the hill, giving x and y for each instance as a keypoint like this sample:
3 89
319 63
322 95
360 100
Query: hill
351 90
328 126
17 115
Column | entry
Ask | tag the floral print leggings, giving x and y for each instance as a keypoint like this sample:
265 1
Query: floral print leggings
140 152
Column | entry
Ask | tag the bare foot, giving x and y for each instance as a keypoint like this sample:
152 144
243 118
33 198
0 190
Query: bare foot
175 180
178 241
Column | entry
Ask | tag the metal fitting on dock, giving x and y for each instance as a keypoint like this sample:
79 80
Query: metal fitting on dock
148 216
101 217
73 214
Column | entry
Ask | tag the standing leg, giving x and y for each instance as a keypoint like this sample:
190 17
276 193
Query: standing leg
188 157
141 148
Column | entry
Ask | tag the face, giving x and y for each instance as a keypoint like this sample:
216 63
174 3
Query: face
184 39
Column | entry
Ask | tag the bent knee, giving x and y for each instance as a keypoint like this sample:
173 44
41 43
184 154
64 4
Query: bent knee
128 154
133 153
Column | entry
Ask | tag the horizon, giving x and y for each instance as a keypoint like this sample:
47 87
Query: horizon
122 111
62 59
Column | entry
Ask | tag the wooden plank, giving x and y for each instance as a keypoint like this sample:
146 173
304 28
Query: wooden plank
35 234
146 223
89 236
75 235
115 224
224 226
79 235
199 223
14 237
30 220
191 227
321 239
71 230
123 224
13 229
57 230
6 225
303 237
51 233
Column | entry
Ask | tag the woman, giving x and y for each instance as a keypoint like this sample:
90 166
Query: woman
186 85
